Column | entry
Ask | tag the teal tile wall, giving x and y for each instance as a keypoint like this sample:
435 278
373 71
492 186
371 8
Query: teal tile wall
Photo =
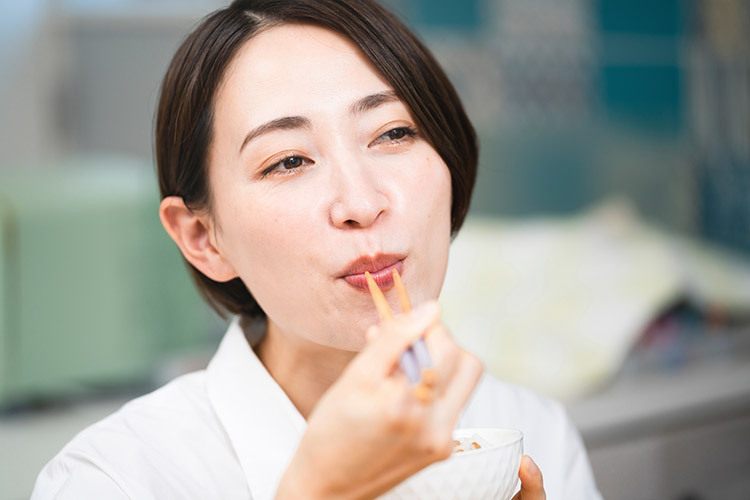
640 74
624 67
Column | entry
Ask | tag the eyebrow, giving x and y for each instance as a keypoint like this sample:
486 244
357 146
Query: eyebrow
373 101
285 123
363 105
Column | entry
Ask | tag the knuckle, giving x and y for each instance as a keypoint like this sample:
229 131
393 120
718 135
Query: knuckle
372 333
394 420
435 446
400 421
473 362
438 330
444 450
451 350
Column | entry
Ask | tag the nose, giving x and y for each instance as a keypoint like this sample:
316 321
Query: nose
359 197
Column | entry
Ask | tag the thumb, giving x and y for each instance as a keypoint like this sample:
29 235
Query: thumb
532 484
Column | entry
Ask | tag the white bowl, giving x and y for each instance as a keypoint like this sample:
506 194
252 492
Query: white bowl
490 473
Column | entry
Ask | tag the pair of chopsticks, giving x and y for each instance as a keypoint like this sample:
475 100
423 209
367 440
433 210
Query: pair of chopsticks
415 362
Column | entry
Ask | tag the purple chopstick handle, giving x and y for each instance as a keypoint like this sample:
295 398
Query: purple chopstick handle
422 354
414 359
409 365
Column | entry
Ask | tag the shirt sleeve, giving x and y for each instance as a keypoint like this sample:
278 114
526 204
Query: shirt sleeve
65 479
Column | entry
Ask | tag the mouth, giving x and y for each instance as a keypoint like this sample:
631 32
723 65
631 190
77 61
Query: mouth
380 268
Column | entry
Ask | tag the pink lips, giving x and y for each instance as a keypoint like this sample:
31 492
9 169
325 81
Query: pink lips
380 268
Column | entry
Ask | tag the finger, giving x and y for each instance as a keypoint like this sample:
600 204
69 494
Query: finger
532 484
445 355
439 377
395 336
460 387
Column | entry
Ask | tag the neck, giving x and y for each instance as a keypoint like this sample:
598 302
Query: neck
303 369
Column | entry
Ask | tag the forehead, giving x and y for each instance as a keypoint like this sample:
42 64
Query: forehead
289 67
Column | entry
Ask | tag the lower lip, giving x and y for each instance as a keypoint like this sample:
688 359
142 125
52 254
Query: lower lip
383 277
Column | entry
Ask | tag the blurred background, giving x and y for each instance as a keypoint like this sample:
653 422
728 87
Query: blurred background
606 260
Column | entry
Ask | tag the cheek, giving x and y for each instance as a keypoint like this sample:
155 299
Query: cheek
430 212
263 239
434 191
441 224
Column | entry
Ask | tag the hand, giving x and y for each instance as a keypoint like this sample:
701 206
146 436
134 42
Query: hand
369 432
532 485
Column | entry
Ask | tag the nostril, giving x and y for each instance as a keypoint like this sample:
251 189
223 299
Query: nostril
357 211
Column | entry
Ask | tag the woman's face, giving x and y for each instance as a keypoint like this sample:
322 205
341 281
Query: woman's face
318 173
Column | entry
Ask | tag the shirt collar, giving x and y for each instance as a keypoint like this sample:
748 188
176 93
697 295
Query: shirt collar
263 425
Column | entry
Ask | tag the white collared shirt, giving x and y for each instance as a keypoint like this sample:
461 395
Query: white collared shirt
229 432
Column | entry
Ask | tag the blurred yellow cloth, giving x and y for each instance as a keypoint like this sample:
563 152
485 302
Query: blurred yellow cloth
555 304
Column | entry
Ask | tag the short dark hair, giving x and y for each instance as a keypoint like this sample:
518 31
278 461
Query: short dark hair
184 118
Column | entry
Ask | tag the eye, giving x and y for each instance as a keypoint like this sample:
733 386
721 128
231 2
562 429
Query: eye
291 162
287 165
396 136
397 133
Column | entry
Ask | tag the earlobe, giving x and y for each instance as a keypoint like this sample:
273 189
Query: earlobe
192 234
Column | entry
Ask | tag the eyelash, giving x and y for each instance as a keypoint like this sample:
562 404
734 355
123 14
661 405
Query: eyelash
407 131
278 167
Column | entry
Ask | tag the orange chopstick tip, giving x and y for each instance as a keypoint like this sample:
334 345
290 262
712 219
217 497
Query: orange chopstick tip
403 297
384 310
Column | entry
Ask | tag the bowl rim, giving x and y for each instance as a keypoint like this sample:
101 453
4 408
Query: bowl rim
478 430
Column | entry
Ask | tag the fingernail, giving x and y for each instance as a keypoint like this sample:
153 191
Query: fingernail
531 467
426 312
371 333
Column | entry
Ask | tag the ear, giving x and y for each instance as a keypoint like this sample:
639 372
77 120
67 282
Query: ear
193 236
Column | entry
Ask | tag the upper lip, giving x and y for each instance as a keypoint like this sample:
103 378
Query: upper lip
371 263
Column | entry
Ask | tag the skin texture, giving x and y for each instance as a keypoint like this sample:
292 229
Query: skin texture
342 176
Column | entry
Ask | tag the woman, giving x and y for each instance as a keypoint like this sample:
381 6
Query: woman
300 144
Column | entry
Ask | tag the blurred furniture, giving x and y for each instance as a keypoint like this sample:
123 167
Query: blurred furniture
93 293
646 335
676 432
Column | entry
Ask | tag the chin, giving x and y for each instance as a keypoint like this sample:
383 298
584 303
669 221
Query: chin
353 342
354 345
